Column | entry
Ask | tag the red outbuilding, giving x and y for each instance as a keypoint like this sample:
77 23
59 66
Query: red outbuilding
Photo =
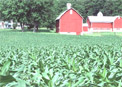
100 23
117 24
69 22
85 28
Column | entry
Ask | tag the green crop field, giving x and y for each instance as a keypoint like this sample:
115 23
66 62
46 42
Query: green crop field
47 59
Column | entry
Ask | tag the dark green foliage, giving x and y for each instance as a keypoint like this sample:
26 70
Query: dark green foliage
113 7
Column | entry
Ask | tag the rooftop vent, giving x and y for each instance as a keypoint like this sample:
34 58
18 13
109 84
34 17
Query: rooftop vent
68 5
100 14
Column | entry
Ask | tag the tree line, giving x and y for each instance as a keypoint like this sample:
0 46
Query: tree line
42 13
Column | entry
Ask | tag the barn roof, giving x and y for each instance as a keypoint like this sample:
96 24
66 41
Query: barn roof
104 19
65 12
61 14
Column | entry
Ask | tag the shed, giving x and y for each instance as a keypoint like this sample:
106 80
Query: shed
100 23
118 24
69 22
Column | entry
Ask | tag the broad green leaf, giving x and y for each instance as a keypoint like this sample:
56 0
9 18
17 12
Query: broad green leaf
21 83
6 79
45 76
120 84
5 68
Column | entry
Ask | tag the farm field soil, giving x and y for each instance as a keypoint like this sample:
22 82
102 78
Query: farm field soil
52 60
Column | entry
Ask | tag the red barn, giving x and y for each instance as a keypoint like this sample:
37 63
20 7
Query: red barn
117 24
69 22
100 23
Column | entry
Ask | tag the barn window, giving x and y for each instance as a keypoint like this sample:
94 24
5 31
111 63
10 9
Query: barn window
70 11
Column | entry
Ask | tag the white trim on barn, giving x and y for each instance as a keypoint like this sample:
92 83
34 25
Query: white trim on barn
117 30
68 33
81 33
100 30
65 12
86 32
61 14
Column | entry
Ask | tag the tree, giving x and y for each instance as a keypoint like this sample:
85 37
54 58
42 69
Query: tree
51 14
40 13
113 7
